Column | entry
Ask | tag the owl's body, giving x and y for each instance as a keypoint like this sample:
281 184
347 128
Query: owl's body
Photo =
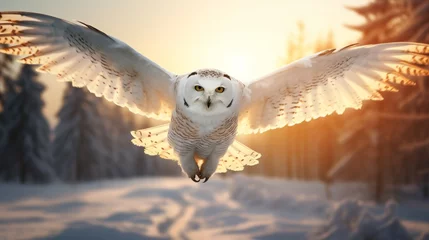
206 109
202 132
206 141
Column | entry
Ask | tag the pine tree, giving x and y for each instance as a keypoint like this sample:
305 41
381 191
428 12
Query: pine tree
25 147
9 92
80 151
6 87
5 69
118 139
382 136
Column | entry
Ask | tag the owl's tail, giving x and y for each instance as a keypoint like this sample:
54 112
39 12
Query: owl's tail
155 142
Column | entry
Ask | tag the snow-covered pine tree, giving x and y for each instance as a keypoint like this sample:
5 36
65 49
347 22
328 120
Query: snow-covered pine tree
5 69
118 140
8 92
110 168
79 148
25 147
6 87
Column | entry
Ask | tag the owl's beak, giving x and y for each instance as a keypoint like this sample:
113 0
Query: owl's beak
209 102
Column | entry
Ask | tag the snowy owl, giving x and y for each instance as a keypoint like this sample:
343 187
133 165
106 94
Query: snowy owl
207 108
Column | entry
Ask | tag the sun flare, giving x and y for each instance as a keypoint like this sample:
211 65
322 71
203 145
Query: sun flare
239 65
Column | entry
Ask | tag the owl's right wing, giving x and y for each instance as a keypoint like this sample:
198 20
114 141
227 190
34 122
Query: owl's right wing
87 57
330 81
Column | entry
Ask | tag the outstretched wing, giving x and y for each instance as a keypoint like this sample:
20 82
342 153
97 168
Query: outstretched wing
84 55
330 81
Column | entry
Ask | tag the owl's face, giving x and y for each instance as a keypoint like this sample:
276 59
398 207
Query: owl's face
208 93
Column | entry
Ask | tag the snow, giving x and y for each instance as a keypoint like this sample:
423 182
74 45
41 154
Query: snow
352 220
224 208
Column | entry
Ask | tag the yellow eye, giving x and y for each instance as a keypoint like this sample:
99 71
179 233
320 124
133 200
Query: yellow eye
198 88
220 89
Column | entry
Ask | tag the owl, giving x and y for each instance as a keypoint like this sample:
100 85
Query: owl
207 108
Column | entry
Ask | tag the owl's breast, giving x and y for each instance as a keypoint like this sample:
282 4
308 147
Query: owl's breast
220 138
188 135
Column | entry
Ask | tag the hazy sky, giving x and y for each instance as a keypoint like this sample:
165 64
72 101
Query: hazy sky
244 38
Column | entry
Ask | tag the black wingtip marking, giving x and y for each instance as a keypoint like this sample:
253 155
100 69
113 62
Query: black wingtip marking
192 74
227 76
96 30
186 104
229 105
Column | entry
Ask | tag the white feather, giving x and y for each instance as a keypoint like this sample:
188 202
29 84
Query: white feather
88 57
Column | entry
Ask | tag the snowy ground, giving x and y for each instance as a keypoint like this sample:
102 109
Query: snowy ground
177 208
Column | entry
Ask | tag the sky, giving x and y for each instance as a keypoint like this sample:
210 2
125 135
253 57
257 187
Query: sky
244 38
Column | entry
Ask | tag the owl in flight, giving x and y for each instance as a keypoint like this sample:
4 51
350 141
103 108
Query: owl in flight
207 108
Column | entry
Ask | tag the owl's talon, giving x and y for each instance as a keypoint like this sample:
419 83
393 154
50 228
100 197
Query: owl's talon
200 176
195 180
205 180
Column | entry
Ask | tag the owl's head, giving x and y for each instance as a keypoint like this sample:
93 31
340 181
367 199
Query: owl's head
208 92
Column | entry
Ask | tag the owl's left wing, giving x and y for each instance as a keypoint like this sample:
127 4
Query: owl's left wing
330 81
87 57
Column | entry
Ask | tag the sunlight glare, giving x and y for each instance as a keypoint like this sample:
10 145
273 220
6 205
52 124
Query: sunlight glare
238 65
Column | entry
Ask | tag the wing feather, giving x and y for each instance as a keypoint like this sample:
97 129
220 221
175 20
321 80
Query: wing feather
85 56
330 81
